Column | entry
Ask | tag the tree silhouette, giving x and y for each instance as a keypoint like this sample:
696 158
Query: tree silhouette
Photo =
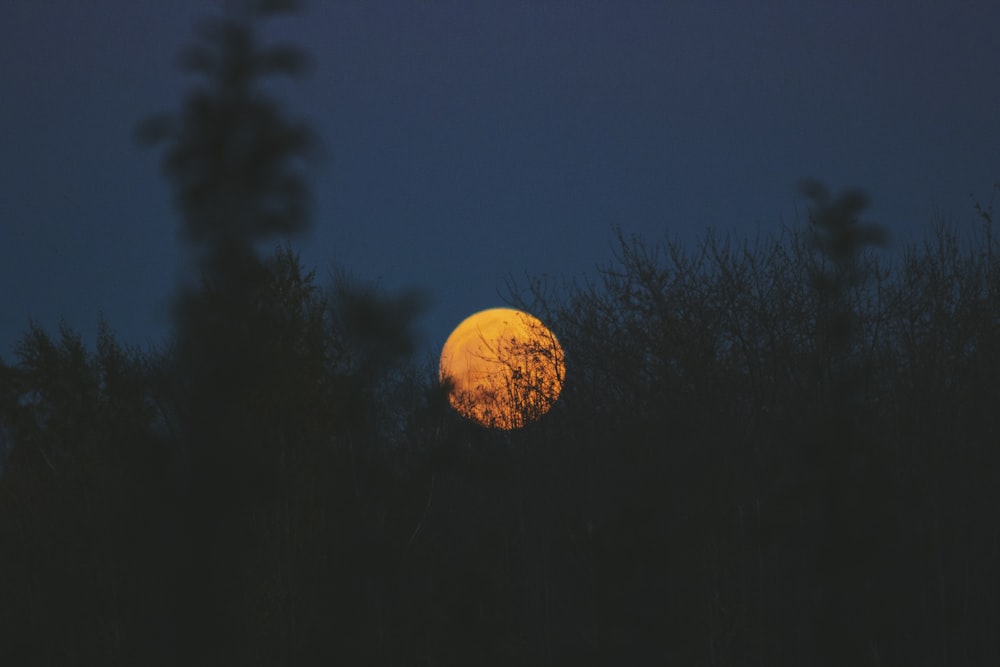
80 490
765 452
234 160
765 421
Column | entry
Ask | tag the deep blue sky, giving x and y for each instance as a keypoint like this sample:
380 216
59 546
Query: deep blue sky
471 140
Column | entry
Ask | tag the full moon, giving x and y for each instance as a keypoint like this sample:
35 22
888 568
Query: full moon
503 367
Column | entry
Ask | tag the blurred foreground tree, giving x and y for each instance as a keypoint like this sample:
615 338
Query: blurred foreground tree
249 337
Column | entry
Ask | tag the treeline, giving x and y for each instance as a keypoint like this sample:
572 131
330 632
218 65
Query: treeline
791 445
777 451
733 475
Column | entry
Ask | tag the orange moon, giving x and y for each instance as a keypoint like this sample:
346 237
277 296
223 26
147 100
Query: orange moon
503 367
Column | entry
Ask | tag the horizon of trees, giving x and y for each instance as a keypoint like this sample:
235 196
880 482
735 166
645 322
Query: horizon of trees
768 451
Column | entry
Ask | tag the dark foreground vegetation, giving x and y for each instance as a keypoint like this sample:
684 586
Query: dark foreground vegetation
782 451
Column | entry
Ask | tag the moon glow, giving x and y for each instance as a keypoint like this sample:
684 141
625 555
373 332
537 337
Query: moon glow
503 367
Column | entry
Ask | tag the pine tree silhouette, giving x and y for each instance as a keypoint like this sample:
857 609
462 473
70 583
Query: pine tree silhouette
234 160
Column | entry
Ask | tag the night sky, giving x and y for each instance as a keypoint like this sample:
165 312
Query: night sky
468 141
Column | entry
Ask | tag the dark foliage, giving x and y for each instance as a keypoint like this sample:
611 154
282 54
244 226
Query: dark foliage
732 476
